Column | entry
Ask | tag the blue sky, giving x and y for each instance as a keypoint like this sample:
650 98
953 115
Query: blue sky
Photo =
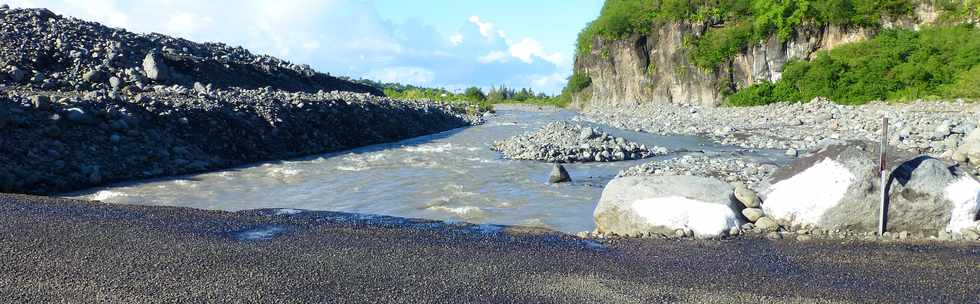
435 43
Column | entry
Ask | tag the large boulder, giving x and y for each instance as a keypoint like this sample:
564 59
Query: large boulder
838 187
969 150
155 68
663 204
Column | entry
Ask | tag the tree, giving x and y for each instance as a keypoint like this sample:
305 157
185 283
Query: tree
475 93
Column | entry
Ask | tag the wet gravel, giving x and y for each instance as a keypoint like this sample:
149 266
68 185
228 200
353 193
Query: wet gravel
58 250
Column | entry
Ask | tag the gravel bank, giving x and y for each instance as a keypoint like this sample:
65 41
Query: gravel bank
82 105
726 168
60 250
74 140
934 128
566 142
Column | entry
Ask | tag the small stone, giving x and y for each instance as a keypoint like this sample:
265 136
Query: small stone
679 233
17 75
803 238
734 231
77 115
115 82
753 214
748 226
792 153
41 102
746 196
115 138
95 76
559 175
766 224
774 236
904 235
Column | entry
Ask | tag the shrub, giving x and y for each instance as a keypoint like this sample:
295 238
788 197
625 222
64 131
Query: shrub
578 82
897 65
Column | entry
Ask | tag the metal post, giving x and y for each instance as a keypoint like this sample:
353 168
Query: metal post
884 177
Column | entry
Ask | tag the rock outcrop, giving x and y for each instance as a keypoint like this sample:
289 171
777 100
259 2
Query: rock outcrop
838 188
640 206
655 68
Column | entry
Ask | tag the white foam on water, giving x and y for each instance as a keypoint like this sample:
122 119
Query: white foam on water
430 148
464 211
804 198
285 171
106 195
675 212
354 168
965 195
185 183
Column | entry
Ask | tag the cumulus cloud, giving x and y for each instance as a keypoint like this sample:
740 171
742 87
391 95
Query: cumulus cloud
341 37
487 29
528 48
407 75
493 56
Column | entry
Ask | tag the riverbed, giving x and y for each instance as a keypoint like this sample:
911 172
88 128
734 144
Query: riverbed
452 176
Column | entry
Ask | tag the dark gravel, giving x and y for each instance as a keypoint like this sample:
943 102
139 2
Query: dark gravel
57 250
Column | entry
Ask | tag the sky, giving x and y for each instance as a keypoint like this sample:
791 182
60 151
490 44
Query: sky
432 43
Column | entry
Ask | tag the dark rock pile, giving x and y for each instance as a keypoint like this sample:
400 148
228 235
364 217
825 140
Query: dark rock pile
565 142
83 105
43 49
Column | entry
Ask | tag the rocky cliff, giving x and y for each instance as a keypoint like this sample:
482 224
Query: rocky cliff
655 67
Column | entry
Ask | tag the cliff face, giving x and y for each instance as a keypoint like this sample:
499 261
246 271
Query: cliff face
655 67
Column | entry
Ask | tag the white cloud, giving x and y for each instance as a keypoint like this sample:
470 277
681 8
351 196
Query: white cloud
408 75
486 28
493 56
528 48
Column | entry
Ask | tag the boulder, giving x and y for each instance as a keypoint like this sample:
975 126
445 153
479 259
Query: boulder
41 102
766 224
95 76
17 75
746 196
155 68
662 204
559 175
969 149
839 188
753 214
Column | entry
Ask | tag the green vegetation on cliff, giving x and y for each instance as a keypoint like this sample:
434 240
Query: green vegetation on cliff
721 29
896 65
733 25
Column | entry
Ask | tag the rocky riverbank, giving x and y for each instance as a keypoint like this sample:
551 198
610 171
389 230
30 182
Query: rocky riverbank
82 105
934 128
566 142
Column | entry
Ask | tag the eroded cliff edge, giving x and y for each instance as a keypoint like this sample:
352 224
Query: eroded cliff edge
655 67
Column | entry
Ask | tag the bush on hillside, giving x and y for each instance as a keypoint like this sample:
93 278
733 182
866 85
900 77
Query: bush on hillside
896 65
